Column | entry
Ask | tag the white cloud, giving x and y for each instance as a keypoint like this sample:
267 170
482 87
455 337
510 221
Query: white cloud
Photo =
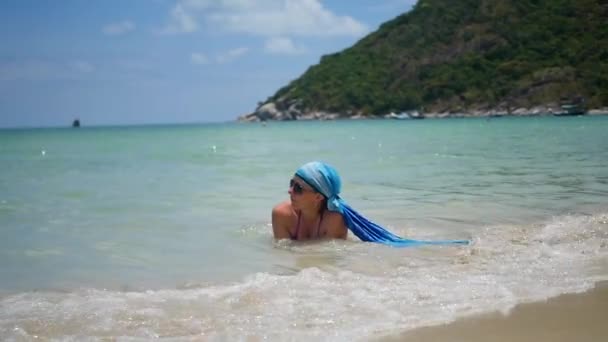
231 55
181 21
282 45
199 58
118 28
268 18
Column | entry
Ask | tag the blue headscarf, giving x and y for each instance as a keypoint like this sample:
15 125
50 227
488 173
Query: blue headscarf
325 179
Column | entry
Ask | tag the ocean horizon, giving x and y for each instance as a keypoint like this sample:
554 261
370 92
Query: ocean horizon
163 230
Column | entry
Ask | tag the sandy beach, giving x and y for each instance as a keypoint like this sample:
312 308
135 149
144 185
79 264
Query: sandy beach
571 317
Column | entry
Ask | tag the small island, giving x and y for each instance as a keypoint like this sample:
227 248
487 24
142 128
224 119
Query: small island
467 58
76 123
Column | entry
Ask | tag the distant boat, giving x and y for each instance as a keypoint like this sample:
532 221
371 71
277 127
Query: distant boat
405 115
415 115
574 106
76 123
400 116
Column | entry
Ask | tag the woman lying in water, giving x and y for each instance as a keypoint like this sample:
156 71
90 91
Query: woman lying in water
305 215
315 211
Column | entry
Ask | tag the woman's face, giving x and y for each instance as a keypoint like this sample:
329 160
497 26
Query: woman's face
301 194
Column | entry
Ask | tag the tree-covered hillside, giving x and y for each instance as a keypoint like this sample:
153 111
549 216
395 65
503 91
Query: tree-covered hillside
462 55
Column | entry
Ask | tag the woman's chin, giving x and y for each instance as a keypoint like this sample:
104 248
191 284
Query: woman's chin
294 205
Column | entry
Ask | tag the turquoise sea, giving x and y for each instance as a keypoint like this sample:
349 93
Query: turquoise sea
134 233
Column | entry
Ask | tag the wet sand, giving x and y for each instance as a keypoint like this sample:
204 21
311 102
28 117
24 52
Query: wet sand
572 317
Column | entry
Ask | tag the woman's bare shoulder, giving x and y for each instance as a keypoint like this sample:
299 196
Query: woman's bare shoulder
335 225
333 216
283 209
282 217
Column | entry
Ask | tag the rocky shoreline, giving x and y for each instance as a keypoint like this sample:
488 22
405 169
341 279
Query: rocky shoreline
271 112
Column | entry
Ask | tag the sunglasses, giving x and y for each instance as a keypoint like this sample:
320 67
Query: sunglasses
297 188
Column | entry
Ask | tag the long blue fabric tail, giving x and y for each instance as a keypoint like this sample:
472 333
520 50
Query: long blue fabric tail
325 179
371 232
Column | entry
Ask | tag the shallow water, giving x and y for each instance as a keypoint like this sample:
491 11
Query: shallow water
163 231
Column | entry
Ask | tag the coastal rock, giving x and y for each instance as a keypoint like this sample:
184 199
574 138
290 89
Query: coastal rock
267 111
292 111
287 111
252 117
600 111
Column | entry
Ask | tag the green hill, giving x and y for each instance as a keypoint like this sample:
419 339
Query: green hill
456 56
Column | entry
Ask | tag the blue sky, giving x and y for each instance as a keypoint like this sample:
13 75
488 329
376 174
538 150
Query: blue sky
121 62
